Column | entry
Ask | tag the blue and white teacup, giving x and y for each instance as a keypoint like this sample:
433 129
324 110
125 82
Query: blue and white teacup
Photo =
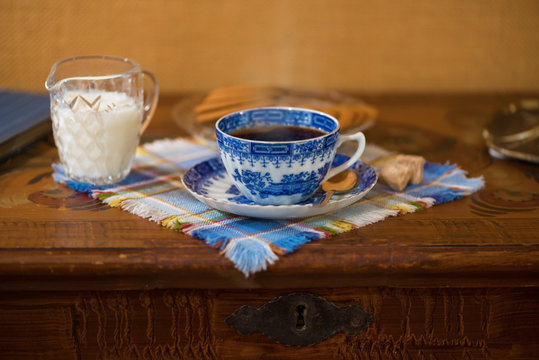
281 171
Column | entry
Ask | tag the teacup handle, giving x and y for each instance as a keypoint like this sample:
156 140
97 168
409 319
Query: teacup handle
150 101
360 139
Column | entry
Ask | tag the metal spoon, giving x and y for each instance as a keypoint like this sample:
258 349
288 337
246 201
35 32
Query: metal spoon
338 184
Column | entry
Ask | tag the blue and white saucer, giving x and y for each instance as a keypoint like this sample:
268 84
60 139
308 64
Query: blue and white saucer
209 182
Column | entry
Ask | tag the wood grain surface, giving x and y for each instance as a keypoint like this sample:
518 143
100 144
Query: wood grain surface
453 323
459 280
55 238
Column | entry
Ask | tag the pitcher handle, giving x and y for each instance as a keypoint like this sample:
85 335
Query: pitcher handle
360 139
150 101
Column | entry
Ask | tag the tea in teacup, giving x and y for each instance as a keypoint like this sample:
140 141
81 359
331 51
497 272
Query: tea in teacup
278 133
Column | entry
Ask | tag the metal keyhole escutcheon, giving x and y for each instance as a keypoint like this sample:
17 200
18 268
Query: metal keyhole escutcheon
300 319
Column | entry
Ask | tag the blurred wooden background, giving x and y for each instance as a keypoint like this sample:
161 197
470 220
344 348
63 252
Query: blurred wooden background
373 46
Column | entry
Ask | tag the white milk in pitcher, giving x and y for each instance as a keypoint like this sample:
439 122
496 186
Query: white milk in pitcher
97 133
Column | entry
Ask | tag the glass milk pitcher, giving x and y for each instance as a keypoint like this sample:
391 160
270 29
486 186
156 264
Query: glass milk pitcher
98 111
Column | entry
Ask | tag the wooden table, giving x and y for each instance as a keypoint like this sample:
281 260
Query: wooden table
80 280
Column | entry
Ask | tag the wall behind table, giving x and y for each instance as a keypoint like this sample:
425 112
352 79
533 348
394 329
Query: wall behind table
374 46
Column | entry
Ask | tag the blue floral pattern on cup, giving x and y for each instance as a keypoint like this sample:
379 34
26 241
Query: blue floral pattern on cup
210 179
285 172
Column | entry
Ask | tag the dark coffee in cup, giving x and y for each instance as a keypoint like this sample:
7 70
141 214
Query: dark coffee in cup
278 133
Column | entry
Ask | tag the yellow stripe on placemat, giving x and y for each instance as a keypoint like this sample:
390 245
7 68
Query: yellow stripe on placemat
116 202
344 226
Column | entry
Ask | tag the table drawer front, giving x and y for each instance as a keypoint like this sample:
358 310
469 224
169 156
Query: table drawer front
490 323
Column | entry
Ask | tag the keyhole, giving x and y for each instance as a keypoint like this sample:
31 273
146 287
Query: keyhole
300 317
